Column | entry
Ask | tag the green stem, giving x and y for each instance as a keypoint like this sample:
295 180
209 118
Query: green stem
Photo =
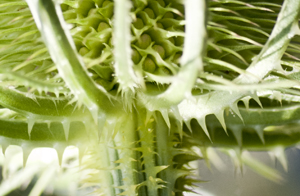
45 108
123 63
49 20
125 141
276 137
263 129
165 157
147 148
41 132
21 80
101 159
191 62
106 178
114 156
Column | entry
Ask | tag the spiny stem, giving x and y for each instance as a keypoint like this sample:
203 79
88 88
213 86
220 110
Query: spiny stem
122 41
273 135
147 148
44 107
125 140
48 17
191 62
164 154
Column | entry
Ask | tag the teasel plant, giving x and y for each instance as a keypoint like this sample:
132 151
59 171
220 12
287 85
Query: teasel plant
144 88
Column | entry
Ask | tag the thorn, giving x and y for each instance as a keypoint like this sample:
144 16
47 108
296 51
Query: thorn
220 117
277 96
71 101
236 110
148 116
236 155
55 105
30 125
60 152
33 98
179 129
202 123
165 116
4 147
48 124
237 133
188 124
26 152
40 91
116 128
179 122
66 127
280 156
110 130
260 132
56 94
255 97
176 113
246 102
94 112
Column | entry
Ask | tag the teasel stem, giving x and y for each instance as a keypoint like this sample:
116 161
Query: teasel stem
55 33
122 46
191 61
125 140
165 157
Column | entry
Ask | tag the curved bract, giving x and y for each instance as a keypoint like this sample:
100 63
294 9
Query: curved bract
138 85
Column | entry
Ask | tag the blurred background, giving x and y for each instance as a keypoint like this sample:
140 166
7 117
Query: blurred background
230 182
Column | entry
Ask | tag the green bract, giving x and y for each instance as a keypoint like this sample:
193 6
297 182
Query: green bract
138 85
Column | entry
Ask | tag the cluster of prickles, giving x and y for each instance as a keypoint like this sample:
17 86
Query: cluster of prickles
157 35
236 33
